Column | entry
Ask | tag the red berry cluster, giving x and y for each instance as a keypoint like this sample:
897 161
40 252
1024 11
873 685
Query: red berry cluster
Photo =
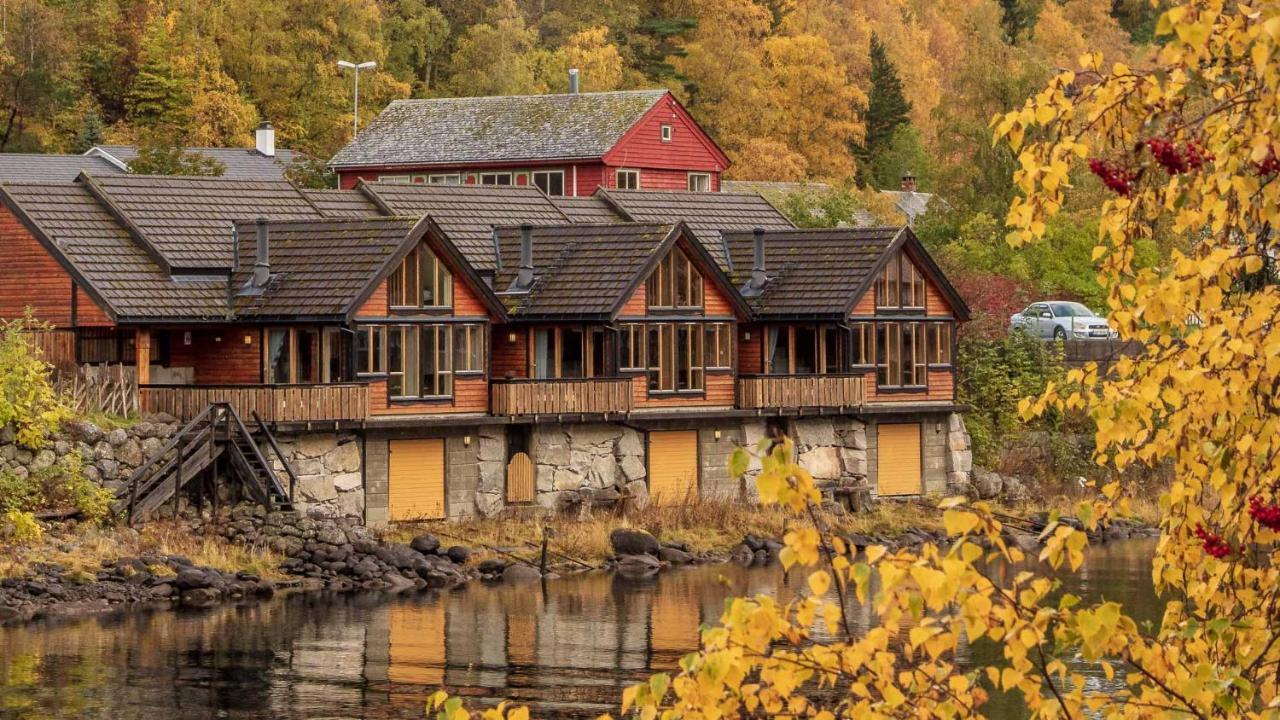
1266 515
1269 166
1118 179
1178 160
1213 543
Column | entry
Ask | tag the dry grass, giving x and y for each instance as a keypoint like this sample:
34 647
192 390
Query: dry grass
83 549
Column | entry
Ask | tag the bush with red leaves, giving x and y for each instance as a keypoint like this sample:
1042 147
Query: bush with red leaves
1213 543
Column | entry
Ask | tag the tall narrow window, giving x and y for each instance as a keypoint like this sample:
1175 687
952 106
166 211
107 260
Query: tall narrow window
861 345
666 133
421 281
778 351
900 285
833 350
278 360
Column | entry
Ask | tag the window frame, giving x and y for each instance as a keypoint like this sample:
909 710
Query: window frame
627 172
899 344
321 352
666 132
700 176
411 268
661 290
533 179
901 286
480 178
444 178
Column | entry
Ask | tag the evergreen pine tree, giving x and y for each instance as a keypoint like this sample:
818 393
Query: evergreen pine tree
887 108
160 94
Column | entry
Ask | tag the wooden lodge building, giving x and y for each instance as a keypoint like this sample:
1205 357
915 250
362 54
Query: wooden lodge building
465 348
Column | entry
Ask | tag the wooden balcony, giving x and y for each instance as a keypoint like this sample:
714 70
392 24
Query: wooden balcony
273 403
801 391
595 396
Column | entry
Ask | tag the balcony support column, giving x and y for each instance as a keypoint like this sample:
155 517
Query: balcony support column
142 350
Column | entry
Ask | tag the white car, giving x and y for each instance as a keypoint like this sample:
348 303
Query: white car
1060 320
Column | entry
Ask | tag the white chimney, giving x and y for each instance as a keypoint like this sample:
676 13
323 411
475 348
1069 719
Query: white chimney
265 139
573 81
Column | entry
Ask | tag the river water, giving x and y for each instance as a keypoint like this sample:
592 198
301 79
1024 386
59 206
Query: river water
567 647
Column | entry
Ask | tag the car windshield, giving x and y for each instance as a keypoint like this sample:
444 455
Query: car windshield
1071 310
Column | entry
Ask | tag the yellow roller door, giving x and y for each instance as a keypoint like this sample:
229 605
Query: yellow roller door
673 467
898 460
415 487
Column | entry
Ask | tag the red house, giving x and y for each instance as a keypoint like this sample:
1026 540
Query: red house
566 144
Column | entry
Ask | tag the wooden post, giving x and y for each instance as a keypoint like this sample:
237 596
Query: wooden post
542 563
142 348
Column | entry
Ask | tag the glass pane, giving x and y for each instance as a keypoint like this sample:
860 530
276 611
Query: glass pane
834 347
625 358
779 353
683 351
571 365
654 361
362 349
681 281
278 356
395 362
695 280
543 353
806 351
426 289
308 356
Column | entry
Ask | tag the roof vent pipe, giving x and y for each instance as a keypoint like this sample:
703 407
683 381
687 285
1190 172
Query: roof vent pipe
524 278
758 277
573 81
262 266
265 139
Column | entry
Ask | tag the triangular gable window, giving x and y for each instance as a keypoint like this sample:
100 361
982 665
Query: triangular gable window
900 286
421 281
675 283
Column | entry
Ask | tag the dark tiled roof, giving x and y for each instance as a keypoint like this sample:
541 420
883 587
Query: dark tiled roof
468 213
707 214
497 129
811 272
578 269
237 163
188 219
342 203
318 267
591 209
32 167
109 259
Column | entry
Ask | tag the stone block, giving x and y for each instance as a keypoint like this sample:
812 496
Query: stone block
853 461
346 482
344 458
544 477
315 445
955 423
638 490
811 432
960 461
488 504
493 476
566 479
630 444
552 454
633 468
822 462
857 438
307 466
594 434
317 488
603 472
957 441
491 448
350 504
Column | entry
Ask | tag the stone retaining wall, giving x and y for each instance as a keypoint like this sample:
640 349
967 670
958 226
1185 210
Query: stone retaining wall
108 457
329 467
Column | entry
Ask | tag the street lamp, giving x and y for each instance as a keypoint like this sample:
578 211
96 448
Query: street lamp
355 113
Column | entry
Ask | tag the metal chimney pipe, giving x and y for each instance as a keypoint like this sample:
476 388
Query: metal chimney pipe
573 81
262 266
524 278
758 277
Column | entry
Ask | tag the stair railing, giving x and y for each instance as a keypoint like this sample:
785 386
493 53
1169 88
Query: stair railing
257 453
146 467
271 440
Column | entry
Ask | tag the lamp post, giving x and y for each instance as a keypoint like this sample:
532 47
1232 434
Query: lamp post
355 113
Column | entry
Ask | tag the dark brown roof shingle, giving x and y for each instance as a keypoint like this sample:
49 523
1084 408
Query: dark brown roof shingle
342 203
32 167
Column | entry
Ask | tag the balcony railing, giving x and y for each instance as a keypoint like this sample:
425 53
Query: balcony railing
797 391
562 397
273 403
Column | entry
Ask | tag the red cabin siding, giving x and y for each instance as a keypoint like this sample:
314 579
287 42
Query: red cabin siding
32 278
689 149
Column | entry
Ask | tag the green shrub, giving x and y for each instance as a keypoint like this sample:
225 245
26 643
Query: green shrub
28 400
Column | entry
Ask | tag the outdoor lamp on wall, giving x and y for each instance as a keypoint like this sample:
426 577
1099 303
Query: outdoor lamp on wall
511 337
248 339
716 435
466 441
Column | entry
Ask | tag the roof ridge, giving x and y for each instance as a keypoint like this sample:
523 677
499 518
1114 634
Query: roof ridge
423 101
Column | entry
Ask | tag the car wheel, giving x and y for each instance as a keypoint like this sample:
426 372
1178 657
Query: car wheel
1059 334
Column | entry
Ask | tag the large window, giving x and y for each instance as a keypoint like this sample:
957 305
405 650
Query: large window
938 343
699 182
569 352
110 345
305 355
550 182
420 360
444 179
421 281
900 285
499 178
675 283
900 355
806 350
675 356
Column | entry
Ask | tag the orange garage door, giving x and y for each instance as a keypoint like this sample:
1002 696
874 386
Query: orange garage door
673 467
898 460
415 484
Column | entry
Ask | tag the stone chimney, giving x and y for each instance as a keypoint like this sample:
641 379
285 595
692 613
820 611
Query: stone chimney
573 81
908 182
265 139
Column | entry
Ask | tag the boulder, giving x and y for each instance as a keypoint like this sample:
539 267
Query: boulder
346 482
822 462
130 453
1013 488
742 554
488 504
633 542
343 459
632 468
426 544
629 444
493 566
199 597
459 554
161 418
986 483
638 565
675 556
191 578
116 437
82 430
163 590
43 460
520 573
638 491
143 429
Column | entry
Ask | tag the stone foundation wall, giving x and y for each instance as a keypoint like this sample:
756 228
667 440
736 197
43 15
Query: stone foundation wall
329 466
959 463
108 457
574 461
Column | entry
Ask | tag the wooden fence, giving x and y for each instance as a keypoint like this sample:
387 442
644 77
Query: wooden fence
797 391
273 403
56 347
556 397
110 389
1078 352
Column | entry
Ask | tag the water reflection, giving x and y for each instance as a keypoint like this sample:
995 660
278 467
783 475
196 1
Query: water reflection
567 648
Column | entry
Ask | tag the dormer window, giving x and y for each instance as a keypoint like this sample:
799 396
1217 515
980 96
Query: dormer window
666 133
421 281
900 285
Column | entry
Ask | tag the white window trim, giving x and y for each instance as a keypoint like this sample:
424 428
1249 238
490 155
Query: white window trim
481 176
667 133
689 181
617 178
443 179
396 179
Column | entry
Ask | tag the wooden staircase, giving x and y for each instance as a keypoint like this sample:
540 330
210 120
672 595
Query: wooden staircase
191 456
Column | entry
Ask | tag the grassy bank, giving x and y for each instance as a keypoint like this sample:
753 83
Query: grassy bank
84 548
